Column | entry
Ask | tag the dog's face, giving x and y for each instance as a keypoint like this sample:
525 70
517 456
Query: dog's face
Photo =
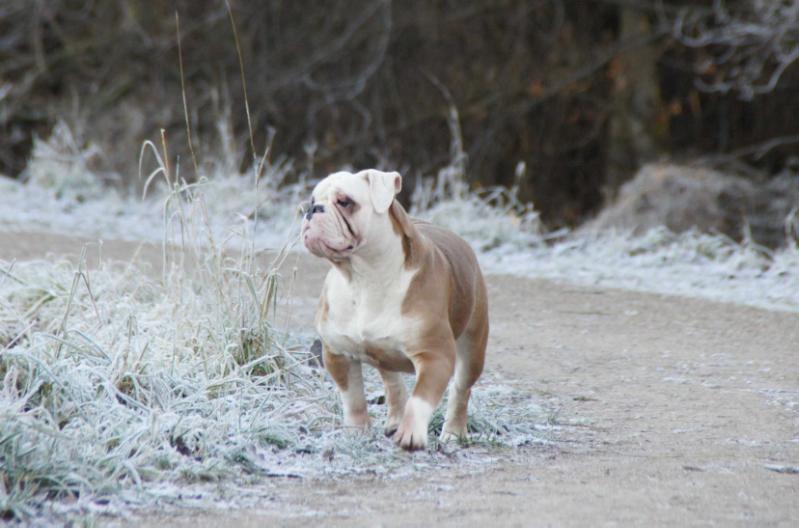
347 210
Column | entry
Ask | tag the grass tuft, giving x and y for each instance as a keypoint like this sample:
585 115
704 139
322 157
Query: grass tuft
125 387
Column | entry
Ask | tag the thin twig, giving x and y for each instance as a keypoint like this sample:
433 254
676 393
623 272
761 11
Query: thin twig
243 80
183 93
167 168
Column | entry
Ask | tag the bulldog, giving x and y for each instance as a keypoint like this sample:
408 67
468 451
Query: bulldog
402 295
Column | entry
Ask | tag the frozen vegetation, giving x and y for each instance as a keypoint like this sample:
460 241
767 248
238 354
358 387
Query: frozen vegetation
124 388
62 194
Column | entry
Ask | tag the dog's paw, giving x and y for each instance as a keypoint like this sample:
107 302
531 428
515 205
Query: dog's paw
411 433
449 436
390 429
393 422
410 440
453 433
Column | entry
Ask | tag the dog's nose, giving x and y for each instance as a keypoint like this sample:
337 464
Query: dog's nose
317 208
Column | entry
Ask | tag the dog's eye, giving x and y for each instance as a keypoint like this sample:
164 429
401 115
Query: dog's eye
344 202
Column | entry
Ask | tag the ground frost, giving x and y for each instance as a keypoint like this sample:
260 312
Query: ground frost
121 391
125 389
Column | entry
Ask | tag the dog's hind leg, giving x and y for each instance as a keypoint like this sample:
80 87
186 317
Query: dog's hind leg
469 360
396 398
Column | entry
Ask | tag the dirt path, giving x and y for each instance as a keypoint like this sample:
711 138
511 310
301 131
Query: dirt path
680 409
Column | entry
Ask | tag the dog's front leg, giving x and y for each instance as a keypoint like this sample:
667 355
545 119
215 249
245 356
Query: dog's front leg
348 376
433 371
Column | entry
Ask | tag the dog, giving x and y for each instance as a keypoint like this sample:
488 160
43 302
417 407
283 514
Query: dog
402 295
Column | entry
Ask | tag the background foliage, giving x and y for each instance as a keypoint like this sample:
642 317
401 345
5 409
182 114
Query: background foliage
579 92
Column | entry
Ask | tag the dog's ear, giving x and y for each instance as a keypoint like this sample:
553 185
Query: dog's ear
383 186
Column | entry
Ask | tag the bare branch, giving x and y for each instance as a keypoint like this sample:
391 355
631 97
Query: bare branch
748 48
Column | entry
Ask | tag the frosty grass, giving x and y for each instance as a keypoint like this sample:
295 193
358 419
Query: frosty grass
125 388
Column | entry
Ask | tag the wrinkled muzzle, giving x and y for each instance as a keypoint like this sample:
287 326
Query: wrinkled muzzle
326 236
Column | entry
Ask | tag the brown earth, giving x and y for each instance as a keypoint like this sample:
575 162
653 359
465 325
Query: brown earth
675 412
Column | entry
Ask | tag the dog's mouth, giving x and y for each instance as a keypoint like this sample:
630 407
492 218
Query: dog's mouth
339 253
323 249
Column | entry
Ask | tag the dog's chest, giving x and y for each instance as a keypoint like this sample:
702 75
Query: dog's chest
366 321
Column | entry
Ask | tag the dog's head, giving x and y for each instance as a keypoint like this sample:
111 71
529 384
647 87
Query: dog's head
347 210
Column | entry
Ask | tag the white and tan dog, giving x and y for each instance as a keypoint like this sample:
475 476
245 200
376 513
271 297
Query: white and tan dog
402 295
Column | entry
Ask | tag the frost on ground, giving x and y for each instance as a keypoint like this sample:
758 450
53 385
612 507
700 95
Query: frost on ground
510 239
62 194
120 389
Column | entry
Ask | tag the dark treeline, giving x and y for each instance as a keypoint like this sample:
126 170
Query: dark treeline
581 92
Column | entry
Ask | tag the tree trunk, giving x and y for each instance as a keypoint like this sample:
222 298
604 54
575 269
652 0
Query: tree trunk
637 124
